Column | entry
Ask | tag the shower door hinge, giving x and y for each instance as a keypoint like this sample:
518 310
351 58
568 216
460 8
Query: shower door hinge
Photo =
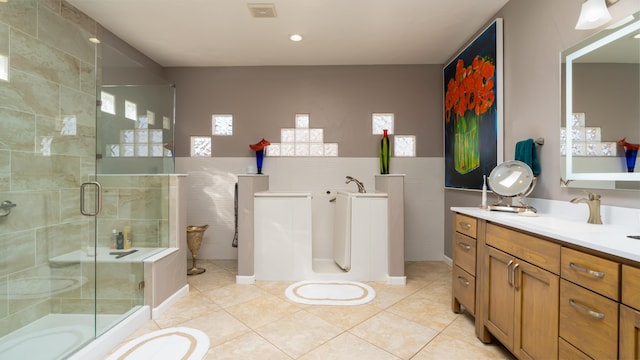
141 285
98 103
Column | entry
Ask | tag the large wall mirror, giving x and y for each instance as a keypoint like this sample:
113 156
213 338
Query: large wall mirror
601 85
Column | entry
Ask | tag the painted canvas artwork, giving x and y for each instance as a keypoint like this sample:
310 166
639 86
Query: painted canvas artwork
473 110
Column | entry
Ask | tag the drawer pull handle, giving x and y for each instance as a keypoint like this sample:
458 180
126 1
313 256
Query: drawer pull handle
463 281
465 247
515 276
597 274
586 310
464 225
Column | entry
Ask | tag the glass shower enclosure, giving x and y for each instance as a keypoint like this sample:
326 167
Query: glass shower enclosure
70 173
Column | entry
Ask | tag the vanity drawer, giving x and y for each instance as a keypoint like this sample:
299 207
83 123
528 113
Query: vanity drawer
464 289
536 251
568 351
631 288
588 321
592 272
464 252
466 225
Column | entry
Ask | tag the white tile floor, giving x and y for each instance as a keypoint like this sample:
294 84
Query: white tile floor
414 321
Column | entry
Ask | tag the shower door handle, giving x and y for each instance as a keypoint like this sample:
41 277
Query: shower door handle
98 205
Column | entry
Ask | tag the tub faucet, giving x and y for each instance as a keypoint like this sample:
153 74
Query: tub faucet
358 182
593 201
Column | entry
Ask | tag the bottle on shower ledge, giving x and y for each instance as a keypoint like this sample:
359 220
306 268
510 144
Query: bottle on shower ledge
120 241
114 239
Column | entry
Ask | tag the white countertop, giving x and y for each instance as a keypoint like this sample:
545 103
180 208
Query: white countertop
607 238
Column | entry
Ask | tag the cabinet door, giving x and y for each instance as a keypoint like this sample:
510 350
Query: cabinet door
499 295
536 312
629 333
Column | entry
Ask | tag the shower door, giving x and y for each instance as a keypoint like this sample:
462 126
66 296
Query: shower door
47 150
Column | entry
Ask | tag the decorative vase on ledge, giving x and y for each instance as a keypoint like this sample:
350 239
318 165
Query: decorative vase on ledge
631 155
259 149
384 153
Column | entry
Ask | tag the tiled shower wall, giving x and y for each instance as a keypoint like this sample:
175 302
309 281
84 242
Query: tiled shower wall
51 76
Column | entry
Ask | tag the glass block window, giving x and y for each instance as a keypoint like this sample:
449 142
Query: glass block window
404 146
222 125
166 123
273 149
156 150
201 146
381 121
126 150
155 136
108 103
302 141
142 123
127 136
302 121
68 126
113 150
331 149
4 68
142 150
130 110
142 136
151 117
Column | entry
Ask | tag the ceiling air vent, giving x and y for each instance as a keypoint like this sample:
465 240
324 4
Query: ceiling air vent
262 10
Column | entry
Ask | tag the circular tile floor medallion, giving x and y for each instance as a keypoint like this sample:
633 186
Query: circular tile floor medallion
330 293
177 343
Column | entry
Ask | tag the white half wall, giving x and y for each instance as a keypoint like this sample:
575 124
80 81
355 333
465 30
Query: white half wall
211 183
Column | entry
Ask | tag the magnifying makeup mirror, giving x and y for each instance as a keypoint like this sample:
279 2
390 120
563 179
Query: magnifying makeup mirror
509 179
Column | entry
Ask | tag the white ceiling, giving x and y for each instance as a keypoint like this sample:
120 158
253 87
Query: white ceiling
336 32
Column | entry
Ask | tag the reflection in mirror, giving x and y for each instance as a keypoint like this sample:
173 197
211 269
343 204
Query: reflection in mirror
601 81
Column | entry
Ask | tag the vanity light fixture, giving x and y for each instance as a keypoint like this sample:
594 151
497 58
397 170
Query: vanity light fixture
295 37
593 14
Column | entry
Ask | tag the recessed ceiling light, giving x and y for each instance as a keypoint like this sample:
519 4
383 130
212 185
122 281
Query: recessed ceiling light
295 37
94 40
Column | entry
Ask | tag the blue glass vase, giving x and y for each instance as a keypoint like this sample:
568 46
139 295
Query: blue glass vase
631 159
259 158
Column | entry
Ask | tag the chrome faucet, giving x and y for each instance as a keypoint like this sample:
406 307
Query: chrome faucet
358 182
594 207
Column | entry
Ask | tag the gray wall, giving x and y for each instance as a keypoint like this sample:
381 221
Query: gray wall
340 99
535 32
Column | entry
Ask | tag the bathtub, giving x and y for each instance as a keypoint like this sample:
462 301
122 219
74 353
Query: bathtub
320 235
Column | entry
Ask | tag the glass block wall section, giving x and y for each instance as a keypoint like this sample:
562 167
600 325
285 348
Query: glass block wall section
108 103
222 125
404 145
130 110
382 121
302 141
200 146
586 141
4 68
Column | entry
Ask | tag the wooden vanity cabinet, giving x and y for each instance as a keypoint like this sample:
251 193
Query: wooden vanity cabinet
629 340
464 264
521 286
